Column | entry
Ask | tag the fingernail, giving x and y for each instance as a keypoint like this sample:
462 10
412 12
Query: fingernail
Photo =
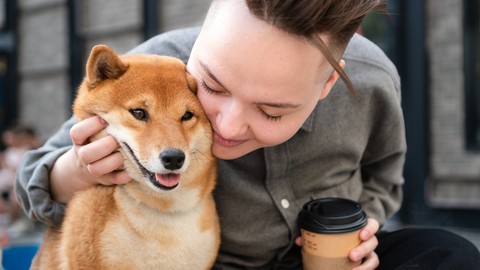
103 121
355 255
365 235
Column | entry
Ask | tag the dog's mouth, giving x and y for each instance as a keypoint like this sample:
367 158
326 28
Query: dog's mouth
167 181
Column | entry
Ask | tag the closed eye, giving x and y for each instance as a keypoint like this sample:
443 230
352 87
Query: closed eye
270 117
208 89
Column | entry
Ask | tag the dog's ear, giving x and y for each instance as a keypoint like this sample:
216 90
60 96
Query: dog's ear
103 63
192 84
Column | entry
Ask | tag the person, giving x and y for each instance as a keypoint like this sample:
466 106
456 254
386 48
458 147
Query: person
17 140
286 131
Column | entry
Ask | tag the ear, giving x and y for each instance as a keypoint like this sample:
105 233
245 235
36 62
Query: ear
103 63
331 81
192 84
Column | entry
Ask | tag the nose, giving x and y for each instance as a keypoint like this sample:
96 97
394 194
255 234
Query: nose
232 121
172 159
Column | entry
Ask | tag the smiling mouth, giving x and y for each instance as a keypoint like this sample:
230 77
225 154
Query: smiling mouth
229 143
167 181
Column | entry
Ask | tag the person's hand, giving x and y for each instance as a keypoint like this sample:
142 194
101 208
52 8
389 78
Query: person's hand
99 160
366 249
87 163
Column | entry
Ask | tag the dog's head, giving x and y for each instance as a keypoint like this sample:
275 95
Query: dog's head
151 108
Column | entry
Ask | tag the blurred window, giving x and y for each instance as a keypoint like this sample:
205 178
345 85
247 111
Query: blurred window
8 63
472 72
90 23
382 29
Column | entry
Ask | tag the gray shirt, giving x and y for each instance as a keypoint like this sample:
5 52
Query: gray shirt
348 147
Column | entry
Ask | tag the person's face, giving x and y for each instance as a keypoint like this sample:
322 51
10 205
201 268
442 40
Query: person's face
256 83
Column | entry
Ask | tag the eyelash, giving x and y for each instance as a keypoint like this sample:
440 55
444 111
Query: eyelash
208 89
271 118
213 92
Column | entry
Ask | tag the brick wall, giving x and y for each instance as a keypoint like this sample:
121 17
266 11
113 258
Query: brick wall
454 179
43 64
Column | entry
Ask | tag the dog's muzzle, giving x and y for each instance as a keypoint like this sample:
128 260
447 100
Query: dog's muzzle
172 159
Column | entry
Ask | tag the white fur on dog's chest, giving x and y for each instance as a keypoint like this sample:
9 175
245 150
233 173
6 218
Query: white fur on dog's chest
172 241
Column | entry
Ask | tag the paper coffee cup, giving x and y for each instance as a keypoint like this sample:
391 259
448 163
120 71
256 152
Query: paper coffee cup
330 229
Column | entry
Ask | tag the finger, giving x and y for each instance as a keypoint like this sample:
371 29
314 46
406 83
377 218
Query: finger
364 249
81 131
369 230
299 241
120 177
97 150
371 262
106 165
114 178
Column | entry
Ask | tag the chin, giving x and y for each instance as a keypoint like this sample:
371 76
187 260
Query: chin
224 155
232 152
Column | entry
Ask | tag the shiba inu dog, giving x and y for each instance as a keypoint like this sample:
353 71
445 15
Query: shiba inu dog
165 218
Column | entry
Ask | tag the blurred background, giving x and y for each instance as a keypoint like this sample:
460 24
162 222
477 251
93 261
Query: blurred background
435 45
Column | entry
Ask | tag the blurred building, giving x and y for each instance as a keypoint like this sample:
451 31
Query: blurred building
434 43
44 45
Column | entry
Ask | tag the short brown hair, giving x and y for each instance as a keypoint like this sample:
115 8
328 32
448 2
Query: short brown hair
339 19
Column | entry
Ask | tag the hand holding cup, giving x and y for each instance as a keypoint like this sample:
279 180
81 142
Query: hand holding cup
330 229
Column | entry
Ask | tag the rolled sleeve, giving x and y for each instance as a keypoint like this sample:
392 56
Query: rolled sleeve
33 178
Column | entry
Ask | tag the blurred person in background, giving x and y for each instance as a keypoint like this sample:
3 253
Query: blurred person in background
17 140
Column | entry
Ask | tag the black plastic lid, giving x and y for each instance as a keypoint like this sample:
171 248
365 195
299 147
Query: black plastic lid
332 215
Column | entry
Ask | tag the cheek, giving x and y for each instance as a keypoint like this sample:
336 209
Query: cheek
270 134
208 104
273 133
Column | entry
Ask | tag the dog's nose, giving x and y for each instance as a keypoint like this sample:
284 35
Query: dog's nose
172 159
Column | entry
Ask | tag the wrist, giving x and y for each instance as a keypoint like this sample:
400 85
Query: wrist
66 178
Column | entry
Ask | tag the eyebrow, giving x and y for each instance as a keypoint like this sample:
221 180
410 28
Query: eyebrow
210 74
279 105
269 104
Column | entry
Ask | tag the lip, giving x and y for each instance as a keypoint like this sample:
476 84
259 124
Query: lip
224 142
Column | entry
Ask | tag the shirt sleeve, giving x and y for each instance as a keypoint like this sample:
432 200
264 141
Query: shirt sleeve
382 165
383 159
32 180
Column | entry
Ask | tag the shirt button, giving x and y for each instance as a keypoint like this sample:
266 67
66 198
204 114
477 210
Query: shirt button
285 203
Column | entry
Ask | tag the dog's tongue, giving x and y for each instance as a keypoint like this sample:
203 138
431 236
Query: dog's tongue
168 180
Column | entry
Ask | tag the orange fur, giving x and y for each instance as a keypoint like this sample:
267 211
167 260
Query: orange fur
143 224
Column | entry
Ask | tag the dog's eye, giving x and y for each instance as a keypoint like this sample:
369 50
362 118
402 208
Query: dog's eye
139 114
187 116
